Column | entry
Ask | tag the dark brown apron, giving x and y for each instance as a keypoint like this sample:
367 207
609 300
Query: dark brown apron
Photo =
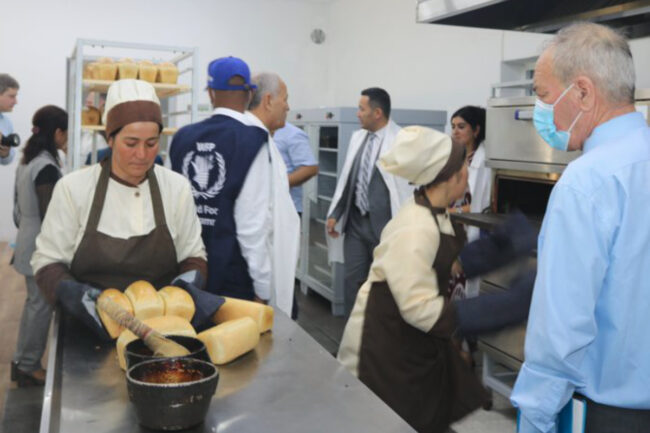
420 375
104 261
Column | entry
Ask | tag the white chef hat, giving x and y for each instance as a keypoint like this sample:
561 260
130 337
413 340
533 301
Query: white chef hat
130 101
422 155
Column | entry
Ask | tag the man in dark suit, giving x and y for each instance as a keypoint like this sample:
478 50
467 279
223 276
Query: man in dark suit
366 196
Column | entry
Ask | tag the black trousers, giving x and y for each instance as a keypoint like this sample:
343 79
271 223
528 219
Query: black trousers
609 419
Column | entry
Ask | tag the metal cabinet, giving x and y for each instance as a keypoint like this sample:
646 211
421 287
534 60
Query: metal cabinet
329 131
178 101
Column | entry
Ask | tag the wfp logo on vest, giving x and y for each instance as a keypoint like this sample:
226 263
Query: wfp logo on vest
206 170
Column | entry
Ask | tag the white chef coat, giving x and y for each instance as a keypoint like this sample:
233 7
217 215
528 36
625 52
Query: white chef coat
284 228
127 212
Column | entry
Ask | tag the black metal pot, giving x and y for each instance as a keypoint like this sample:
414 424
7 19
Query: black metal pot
171 406
136 351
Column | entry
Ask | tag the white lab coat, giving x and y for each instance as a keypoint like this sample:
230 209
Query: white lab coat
285 235
479 179
398 188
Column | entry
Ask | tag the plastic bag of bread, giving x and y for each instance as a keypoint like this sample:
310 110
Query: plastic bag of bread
112 327
166 325
167 73
234 308
230 340
147 71
126 68
91 116
105 69
145 300
177 302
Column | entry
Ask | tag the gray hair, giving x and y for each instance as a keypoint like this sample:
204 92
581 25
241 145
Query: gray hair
7 82
267 82
600 53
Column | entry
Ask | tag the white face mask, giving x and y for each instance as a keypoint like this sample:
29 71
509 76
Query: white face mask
543 119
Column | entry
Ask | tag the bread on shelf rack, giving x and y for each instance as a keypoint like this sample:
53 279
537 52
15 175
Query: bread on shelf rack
105 69
126 68
147 71
91 116
167 73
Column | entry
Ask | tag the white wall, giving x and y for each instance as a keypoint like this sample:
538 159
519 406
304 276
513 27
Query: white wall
269 34
368 43
426 66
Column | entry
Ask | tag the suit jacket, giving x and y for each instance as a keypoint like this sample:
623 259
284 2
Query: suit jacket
397 188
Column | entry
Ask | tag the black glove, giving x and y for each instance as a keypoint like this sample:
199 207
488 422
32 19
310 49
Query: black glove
78 300
510 240
494 311
206 303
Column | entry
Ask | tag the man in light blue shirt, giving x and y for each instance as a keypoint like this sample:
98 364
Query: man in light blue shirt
8 92
293 144
588 326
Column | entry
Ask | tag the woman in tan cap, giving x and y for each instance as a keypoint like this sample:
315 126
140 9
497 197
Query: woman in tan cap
399 339
123 220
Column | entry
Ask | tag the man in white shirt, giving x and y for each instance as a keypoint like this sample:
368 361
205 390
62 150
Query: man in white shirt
227 164
268 110
8 93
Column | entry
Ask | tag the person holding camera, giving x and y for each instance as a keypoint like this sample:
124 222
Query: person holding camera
38 172
8 140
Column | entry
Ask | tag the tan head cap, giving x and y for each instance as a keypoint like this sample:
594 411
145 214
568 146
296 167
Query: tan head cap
421 154
130 101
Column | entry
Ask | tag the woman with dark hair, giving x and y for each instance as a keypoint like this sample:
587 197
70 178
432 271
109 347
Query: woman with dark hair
38 172
122 220
401 337
468 130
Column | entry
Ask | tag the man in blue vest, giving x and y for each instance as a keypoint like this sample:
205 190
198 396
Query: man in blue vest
227 164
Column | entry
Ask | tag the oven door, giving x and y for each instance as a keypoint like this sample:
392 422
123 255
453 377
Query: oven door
513 143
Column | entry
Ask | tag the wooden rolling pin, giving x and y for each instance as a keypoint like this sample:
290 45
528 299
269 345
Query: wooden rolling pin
159 345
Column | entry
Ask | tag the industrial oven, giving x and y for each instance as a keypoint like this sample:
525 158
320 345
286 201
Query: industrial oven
525 169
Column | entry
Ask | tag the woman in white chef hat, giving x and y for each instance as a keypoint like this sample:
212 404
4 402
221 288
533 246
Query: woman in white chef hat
399 339
123 220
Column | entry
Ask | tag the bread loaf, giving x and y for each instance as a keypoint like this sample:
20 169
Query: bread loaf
177 302
147 71
230 340
89 71
237 308
105 69
167 73
126 68
113 329
146 301
166 325
91 116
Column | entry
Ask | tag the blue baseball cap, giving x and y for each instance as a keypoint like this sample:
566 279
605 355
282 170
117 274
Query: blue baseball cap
221 70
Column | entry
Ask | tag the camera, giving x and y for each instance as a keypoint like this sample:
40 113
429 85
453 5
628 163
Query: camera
11 140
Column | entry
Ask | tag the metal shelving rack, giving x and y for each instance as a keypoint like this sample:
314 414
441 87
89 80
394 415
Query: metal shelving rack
177 100
329 131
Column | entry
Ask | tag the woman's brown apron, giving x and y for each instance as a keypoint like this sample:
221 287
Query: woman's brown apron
104 261
420 375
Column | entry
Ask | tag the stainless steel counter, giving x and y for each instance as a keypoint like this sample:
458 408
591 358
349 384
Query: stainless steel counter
287 384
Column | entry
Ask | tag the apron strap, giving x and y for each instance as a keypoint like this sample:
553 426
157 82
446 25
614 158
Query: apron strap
156 199
100 196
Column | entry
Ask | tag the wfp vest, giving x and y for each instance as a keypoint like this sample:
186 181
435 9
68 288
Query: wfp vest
215 156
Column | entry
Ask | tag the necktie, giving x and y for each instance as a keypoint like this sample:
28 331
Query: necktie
363 178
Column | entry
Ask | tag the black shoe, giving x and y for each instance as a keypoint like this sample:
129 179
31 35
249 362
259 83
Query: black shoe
25 379
14 371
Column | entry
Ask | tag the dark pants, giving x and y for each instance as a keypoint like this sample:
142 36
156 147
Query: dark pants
609 419
359 243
